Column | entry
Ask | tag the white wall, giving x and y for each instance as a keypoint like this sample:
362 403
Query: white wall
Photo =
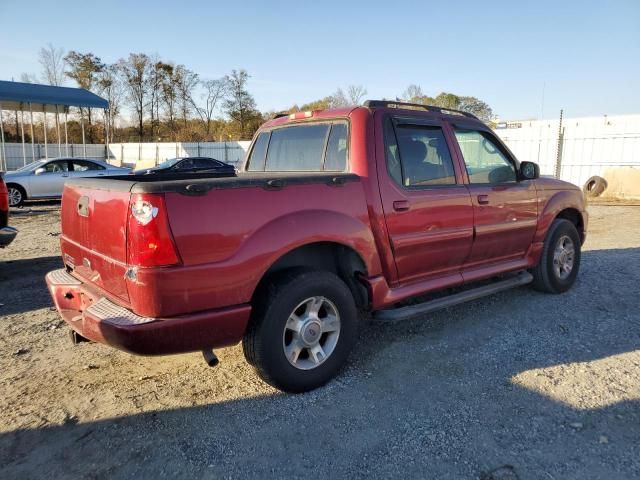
590 144
133 154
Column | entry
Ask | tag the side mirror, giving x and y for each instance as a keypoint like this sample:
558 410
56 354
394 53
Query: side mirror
40 171
529 171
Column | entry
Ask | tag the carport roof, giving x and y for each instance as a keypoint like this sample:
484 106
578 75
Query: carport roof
17 96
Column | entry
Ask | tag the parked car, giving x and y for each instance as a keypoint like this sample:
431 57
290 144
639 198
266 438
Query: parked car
46 178
7 234
336 211
190 165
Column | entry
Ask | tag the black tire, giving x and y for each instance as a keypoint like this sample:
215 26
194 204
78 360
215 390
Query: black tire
18 188
545 277
263 343
595 186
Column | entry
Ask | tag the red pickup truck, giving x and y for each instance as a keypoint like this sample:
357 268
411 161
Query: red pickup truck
335 213
7 234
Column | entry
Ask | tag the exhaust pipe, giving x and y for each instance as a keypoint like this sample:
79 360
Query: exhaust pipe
210 358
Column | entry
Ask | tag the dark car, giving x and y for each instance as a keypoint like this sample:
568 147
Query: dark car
191 165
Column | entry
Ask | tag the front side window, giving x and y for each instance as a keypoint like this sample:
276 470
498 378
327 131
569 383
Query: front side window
418 155
59 166
484 161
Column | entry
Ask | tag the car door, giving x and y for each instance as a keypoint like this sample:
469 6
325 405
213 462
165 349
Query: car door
505 208
87 168
427 208
49 181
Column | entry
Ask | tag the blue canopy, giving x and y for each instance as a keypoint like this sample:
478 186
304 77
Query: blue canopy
17 96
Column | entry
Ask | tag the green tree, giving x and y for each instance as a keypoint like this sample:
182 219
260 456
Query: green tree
135 72
240 105
85 69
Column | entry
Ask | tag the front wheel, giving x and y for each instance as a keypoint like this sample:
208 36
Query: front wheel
17 195
559 263
302 329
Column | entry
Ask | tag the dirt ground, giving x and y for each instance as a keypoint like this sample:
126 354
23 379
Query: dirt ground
520 385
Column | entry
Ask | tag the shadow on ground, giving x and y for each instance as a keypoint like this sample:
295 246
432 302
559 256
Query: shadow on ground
420 399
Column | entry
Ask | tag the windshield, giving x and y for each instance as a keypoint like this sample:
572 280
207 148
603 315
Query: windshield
169 163
30 166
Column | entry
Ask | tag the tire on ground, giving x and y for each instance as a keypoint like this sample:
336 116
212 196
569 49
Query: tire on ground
263 343
595 186
23 194
545 278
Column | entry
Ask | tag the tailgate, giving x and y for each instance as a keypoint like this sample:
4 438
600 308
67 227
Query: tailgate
94 236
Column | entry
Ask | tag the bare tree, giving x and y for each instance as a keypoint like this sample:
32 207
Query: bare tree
52 61
355 94
413 93
214 91
339 99
135 71
110 86
28 78
186 82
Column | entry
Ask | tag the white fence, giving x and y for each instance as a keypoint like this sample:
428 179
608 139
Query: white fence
138 154
584 147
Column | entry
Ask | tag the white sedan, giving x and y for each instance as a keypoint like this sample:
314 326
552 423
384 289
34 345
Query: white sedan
45 178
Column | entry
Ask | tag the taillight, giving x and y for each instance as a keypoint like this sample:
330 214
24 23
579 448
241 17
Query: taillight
149 239
4 197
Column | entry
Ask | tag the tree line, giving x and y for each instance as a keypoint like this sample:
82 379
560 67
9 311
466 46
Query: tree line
169 102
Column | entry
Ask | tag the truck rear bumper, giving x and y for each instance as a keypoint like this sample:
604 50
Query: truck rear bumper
94 316
7 234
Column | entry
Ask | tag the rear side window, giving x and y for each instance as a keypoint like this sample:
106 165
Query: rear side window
312 147
336 158
418 155
256 159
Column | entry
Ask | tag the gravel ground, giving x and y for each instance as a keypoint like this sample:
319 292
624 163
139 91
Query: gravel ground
520 385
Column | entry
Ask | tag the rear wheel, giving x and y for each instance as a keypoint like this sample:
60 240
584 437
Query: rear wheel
302 330
17 195
559 263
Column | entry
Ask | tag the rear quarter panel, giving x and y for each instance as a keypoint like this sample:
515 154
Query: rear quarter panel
229 238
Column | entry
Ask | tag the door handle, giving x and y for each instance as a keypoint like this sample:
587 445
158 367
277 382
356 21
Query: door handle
483 199
401 205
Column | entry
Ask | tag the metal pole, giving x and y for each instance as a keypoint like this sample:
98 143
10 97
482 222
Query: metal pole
33 138
44 123
84 145
3 160
24 149
58 132
66 135
106 134
560 147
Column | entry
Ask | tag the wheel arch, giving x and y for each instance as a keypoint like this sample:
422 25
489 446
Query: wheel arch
20 186
563 204
329 256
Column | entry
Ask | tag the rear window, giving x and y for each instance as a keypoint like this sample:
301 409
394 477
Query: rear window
301 148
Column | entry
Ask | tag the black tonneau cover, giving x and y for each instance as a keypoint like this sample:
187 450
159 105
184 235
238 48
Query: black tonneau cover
199 184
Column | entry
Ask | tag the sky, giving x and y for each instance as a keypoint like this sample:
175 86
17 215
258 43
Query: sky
525 59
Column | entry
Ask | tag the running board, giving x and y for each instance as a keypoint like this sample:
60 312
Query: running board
404 313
